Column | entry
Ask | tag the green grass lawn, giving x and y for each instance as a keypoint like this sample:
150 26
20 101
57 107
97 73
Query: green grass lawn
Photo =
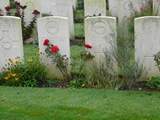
31 51
74 104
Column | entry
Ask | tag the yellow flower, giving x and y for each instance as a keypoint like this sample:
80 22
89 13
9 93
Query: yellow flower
16 78
6 78
13 75
30 60
83 85
14 61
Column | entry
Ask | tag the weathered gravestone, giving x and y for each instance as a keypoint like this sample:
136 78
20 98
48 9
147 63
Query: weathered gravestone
62 8
113 7
124 9
147 42
56 29
3 4
31 6
156 7
74 4
101 33
95 8
11 43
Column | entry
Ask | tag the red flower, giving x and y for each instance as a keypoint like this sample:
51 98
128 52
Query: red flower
7 8
46 42
36 12
54 49
88 46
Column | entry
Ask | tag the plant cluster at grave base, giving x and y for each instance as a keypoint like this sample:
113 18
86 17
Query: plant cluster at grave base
154 83
29 74
83 75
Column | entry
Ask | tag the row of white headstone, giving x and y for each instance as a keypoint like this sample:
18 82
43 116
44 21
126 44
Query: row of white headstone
62 8
100 31
122 9
118 8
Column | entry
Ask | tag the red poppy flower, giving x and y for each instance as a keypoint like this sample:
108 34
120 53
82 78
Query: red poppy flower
36 12
46 42
7 8
88 46
54 49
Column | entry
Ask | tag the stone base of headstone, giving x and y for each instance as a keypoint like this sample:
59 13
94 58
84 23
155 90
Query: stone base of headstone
54 73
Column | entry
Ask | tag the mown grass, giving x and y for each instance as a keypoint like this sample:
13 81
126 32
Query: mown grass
74 104
31 50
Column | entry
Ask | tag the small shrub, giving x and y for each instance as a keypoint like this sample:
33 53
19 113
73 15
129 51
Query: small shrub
29 74
97 74
78 83
154 83
102 74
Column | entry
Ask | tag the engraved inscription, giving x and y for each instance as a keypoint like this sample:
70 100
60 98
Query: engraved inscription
10 39
52 28
128 5
99 27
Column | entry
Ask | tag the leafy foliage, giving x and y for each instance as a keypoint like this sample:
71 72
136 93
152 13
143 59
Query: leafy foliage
154 83
29 74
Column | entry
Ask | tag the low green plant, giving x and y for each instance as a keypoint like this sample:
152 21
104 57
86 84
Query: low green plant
29 74
157 59
97 74
102 74
154 83
78 82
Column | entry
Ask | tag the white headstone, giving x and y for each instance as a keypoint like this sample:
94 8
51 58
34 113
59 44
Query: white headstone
147 42
11 43
95 8
31 6
123 9
62 8
113 7
156 7
101 33
74 4
56 29
3 4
